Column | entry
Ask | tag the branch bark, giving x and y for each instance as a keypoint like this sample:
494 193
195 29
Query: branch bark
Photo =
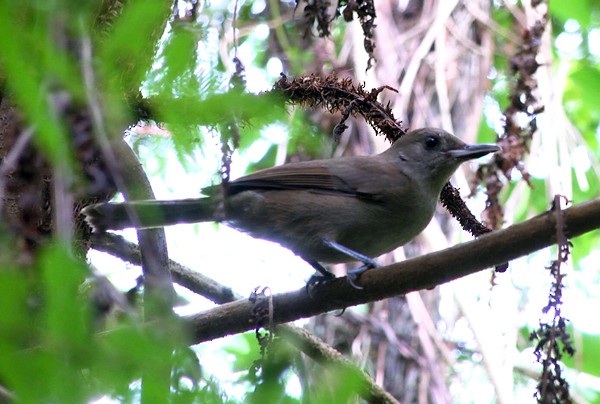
196 282
303 340
418 273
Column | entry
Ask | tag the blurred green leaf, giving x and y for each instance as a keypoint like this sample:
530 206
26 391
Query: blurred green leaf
268 160
485 133
587 356
217 108
180 52
33 67
306 138
14 291
126 52
188 367
577 10
585 80
66 323
335 384
251 134
269 375
51 336
244 349
530 201
16 329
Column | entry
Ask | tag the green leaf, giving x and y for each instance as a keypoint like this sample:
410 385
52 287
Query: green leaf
180 52
267 161
585 80
34 70
67 322
126 53
219 108
245 350
47 332
577 10
587 357
306 138
485 133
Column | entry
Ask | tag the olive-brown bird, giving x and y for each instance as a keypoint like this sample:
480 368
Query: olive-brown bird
325 211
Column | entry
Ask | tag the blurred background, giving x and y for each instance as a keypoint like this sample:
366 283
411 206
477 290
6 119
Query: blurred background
523 74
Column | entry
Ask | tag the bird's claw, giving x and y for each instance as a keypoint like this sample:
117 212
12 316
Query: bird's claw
315 280
352 278
354 274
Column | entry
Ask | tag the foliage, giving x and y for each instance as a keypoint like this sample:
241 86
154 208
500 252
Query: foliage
51 349
55 344
574 27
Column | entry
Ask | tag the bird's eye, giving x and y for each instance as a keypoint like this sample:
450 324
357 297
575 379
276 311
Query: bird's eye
431 142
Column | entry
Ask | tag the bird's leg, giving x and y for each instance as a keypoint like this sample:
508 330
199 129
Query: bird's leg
320 268
353 275
316 279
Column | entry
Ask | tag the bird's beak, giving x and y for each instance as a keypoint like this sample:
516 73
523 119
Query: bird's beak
474 151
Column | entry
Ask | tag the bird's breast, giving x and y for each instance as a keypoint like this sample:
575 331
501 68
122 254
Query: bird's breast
299 220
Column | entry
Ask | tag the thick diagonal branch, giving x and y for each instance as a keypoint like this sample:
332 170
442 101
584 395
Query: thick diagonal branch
418 273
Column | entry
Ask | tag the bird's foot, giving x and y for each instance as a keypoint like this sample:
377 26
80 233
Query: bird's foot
353 275
317 279
321 276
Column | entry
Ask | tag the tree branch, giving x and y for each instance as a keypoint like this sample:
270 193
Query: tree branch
325 355
418 273
196 282
303 340
132 181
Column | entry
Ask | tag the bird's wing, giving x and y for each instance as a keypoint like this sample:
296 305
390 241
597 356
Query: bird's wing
312 176
361 177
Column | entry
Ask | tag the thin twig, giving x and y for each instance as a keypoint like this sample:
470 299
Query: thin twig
445 8
63 203
127 251
9 162
485 19
441 84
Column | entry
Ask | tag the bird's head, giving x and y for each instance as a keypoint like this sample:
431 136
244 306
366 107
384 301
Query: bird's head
433 155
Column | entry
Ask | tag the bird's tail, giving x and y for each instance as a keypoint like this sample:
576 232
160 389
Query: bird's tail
148 214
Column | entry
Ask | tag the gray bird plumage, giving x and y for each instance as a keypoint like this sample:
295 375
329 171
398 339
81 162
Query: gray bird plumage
368 204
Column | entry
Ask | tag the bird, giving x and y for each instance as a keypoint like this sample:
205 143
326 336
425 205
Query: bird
325 211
